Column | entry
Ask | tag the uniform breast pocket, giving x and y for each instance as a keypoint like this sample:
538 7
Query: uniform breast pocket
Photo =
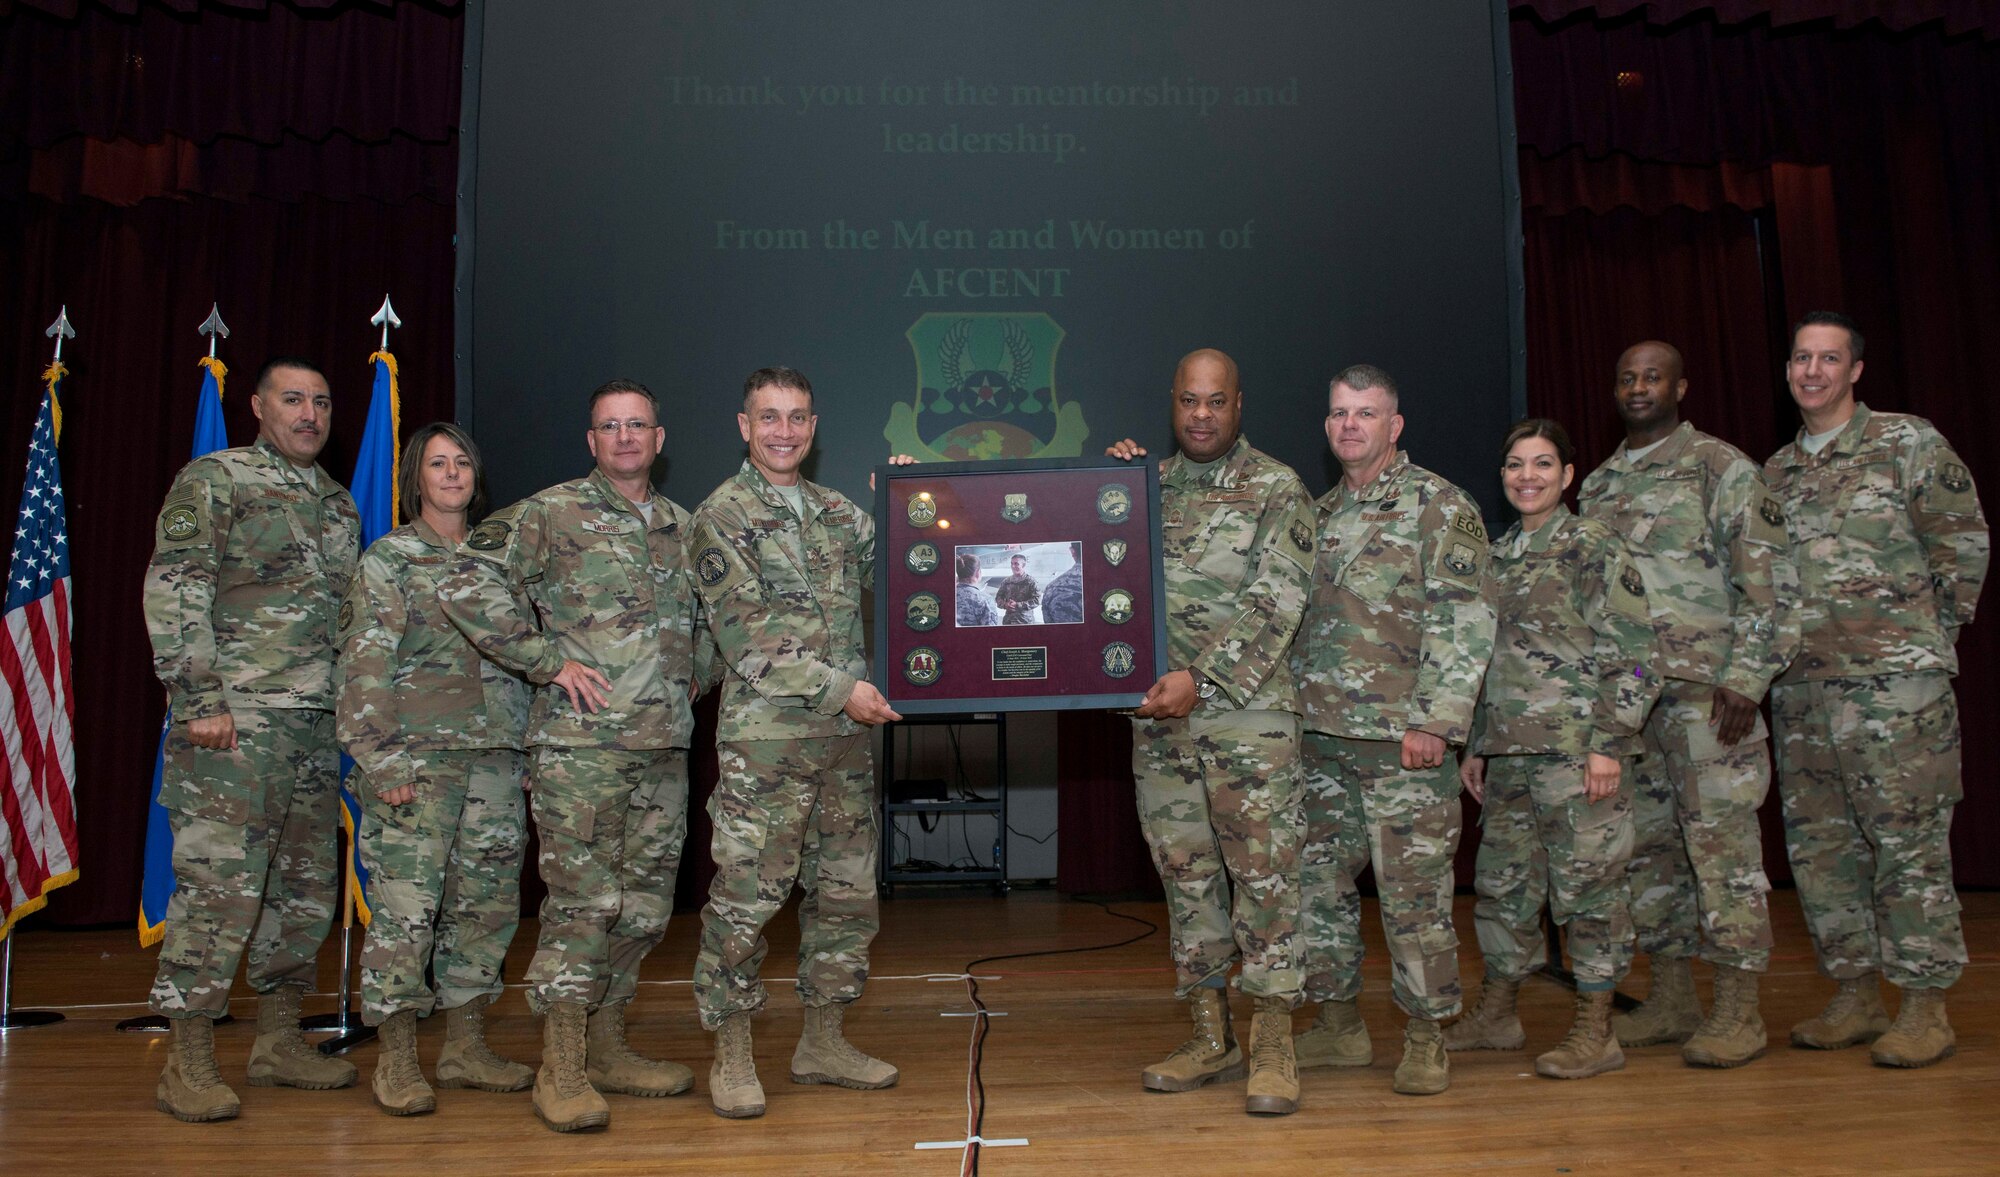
832 566
1870 506
1377 572
1220 547
265 547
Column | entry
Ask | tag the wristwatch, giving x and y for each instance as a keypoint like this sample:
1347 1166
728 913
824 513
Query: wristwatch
1203 689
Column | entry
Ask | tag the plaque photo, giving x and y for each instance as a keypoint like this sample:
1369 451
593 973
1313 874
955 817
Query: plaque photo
1018 585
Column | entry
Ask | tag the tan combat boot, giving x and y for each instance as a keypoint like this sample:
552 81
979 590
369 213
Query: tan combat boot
1591 1048
1209 1056
1671 1011
1734 1033
1274 1071
1494 1023
398 1081
190 1087
1425 1069
824 1055
616 1067
281 1057
1854 1016
466 1060
733 1090
1337 1038
564 1098
1921 1035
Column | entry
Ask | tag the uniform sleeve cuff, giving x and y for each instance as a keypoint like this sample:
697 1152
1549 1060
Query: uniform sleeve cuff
834 698
199 704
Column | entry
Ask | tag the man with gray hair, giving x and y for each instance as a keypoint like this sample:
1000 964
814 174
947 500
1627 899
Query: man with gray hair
1397 633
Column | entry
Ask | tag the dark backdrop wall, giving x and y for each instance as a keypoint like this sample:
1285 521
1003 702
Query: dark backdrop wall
683 192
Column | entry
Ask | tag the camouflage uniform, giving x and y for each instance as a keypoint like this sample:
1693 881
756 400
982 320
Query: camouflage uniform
1017 597
1891 547
1218 790
250 562
417 705
1397 634
1710 541
612 591
1062 601
1569 676
973 606
796 798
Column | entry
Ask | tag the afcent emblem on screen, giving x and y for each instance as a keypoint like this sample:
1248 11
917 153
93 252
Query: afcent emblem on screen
986 388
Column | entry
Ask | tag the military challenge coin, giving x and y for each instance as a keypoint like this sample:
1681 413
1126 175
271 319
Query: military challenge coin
922 558
922 666
1115 606
1118 660
921 611
1114 503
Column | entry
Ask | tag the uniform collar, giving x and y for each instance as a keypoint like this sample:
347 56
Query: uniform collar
811 498
1517 542
1847 441
320 484
1666 452
1228 470
1377 489
613 500
429 535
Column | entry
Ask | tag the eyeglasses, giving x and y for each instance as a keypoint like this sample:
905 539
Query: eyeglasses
614 428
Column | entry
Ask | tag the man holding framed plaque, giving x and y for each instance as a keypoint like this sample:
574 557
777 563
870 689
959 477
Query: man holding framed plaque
1216 739
780 563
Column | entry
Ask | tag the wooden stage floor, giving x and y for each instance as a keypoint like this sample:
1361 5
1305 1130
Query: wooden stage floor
1060 1068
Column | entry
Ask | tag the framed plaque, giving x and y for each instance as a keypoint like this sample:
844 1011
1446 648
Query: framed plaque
1020 585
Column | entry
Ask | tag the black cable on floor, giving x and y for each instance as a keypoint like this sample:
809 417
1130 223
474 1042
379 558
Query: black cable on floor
975 1084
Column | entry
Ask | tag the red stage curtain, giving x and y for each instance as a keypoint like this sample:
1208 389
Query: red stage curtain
292 166
1878 152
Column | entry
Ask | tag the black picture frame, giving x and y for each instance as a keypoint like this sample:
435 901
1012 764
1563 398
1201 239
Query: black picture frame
973 506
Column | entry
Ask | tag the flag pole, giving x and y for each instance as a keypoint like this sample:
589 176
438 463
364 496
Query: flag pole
214 328
11 1018
346 1027
348 1031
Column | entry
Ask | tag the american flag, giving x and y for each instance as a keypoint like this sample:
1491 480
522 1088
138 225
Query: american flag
37 821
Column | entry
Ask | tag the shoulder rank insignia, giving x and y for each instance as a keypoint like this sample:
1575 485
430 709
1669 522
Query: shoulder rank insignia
921 611
922 666
1114 502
